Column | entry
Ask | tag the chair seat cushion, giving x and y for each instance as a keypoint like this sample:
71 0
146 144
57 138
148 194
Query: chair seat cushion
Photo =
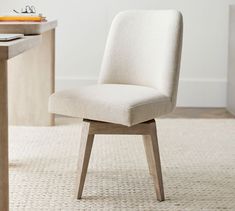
115 103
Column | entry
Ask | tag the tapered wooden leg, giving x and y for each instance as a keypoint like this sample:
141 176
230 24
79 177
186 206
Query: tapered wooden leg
4 181
149 132
148 152
86 143
154 162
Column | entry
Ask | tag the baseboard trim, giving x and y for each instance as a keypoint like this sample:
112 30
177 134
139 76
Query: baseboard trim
192 92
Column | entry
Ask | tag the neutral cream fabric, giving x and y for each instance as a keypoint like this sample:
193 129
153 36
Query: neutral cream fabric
144 48
117 103
139 74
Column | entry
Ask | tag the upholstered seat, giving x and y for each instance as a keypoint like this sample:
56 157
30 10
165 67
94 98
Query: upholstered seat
116 103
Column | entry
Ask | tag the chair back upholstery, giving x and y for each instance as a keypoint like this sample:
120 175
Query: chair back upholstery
144 48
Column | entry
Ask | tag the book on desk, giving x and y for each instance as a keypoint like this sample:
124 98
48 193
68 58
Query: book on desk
9 37
22 18
27 14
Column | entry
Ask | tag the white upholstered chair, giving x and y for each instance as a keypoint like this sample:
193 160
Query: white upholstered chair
138 83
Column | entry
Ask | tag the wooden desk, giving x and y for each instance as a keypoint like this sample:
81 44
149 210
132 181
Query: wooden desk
31 75
9 51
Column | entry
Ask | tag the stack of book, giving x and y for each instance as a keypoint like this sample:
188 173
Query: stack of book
23 18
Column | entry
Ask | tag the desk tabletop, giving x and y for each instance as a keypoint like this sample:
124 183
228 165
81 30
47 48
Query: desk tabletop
13 48
27 28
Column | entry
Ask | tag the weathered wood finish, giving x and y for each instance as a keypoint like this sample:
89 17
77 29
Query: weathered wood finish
86 143
108 128
11 49
32 74
148 152
4 189
149 132
231 62
27 28
154 162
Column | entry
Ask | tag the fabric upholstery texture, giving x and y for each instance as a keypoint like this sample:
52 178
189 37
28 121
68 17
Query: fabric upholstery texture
117 103
139 74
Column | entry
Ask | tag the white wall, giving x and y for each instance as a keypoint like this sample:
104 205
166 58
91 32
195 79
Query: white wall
83 28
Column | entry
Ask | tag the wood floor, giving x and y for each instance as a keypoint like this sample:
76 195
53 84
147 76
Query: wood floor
207 113
196 113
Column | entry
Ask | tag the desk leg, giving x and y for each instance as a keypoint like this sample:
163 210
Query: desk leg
4 181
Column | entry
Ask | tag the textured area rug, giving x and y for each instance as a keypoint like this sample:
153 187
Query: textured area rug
198 163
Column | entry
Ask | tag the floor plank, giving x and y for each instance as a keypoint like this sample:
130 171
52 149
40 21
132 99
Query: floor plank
196 113
207 113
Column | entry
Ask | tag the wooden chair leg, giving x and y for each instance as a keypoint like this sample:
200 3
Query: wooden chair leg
148 152
86 143
149 132
153 158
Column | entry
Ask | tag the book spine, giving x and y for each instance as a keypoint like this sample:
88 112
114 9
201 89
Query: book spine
21 18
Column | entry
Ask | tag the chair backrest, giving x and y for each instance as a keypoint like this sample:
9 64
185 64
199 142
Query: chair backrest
144 48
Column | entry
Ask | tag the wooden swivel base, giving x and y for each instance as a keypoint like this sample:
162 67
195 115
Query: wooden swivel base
147 129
